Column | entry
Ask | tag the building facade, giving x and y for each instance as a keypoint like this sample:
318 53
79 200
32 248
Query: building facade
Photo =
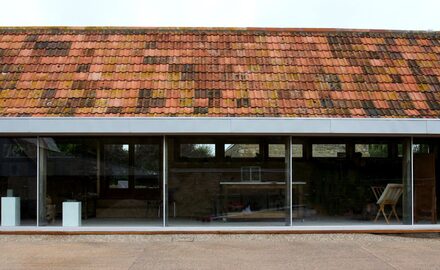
219 129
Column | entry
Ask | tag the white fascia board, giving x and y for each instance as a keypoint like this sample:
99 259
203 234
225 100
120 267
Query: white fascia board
214 125
280 125
180 125
235 229
433 127
380 126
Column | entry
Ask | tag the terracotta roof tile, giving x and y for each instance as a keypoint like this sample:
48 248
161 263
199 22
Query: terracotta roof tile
218 72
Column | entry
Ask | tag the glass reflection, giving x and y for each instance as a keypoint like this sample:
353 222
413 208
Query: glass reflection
116 164
117 180
347 181
426 163
18 175
235 182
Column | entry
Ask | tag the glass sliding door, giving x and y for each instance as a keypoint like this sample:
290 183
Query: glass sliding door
18 180
146 166
351 181
117 180
426 180
68 173
227 181
147 178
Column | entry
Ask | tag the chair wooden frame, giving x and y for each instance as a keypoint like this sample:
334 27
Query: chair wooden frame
389 195
377 191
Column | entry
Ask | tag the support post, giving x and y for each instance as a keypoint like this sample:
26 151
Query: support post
38 182
164 182
289 195
42 181
407 180
98 168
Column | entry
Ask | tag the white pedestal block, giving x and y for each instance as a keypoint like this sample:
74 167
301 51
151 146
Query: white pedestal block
10 211
71 214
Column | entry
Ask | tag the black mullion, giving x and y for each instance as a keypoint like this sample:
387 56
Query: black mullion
131 184
104 178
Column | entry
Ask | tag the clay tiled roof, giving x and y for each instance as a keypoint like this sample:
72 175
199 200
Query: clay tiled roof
219 72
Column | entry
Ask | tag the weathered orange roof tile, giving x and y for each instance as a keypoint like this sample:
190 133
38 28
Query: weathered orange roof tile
219 72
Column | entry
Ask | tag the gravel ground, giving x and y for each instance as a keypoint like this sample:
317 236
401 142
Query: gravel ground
210 251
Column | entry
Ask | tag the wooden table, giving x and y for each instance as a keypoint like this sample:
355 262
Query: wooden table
226 186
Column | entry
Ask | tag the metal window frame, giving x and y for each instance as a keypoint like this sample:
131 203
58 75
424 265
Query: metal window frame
412 179
41 177
38 181
407 180
412 225
290 168
164 181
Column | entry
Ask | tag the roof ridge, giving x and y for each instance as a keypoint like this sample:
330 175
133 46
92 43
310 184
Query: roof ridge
238 29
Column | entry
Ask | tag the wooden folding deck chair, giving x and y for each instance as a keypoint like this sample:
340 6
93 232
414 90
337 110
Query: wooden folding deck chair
389 196
377 191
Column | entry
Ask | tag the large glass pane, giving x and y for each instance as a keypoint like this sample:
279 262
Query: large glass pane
68 174
116 180
236 182
346 181
18 178
426 180
116 164
146 166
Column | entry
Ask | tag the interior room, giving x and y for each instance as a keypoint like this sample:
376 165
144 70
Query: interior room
227 181
346 181
222 180
426 180
18 177
117 180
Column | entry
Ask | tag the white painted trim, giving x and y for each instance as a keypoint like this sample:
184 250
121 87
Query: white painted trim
196 229
213 125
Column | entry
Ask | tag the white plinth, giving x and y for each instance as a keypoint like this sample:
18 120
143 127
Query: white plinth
10 211
71 214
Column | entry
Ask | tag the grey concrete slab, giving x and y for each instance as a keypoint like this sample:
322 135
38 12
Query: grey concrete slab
53 255
340 251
